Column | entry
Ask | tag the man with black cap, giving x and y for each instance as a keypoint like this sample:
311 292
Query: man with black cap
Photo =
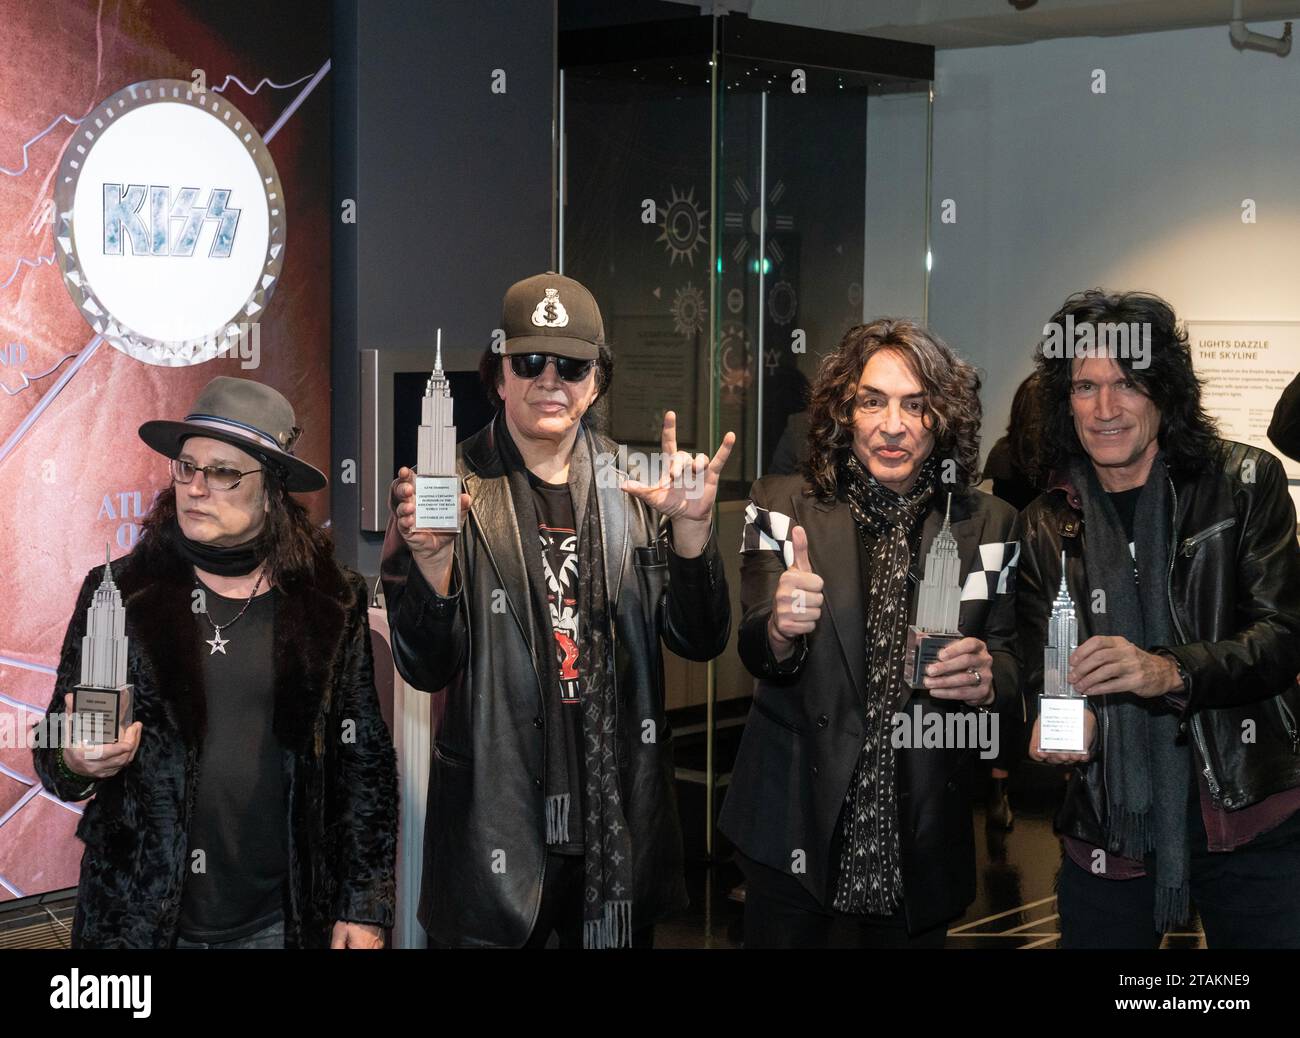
252 801
550 804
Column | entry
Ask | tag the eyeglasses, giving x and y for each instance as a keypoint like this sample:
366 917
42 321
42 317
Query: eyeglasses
218 477
530 365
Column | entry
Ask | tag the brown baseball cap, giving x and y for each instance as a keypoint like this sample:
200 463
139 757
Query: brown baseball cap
549 313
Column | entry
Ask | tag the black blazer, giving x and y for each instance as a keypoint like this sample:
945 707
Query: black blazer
805 731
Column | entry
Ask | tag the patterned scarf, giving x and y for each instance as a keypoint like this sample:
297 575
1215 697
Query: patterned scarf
607 853
607 899
871 876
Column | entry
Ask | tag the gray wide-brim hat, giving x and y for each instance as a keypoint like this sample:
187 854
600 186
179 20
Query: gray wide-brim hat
248 415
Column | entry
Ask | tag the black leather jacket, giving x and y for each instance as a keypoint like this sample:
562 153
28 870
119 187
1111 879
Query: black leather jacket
484 849
1234 592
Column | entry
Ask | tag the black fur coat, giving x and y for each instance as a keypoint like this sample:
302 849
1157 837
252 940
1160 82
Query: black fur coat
342 777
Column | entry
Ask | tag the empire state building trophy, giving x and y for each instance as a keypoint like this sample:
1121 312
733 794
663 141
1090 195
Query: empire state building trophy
437 487
937 604
102 702
1060 707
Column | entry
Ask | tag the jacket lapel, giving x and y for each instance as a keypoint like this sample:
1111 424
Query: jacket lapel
160 623
615 511
494 515
310 623
833 551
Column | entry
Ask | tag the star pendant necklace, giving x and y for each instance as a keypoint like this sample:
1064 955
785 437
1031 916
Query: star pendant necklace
217 642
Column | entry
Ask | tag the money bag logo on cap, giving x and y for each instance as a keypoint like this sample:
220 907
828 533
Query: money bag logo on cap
550 312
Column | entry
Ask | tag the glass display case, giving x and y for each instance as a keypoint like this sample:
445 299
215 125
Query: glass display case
737 194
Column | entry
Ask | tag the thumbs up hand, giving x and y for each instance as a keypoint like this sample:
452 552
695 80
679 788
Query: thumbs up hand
797 604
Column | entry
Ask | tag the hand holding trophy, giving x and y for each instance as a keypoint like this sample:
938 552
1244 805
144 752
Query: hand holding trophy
1062 711
100 735
428 502
939 658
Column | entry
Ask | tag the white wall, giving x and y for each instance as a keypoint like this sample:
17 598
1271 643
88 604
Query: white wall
894 265
1059 189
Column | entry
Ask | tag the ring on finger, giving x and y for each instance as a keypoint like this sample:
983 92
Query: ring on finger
975 674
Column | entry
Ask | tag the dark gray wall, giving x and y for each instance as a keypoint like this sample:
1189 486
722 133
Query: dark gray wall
453 186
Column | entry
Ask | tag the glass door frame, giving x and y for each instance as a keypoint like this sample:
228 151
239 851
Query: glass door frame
722 38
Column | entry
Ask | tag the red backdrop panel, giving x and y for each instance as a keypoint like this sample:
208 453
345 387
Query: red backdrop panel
74 474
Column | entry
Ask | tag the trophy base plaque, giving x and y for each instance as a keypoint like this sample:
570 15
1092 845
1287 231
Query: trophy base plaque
923 648
103 713
437 503
1061 724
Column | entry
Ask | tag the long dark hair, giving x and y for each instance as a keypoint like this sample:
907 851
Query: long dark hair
952 399
1188 435
1023 426
294 545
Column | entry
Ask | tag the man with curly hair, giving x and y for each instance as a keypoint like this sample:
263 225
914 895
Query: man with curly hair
850 800
1180 553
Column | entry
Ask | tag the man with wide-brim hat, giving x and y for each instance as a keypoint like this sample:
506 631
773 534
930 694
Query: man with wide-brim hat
252 801
243 414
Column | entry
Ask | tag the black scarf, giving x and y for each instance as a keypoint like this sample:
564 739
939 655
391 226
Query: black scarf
236 561
607 843
1147 774
870 876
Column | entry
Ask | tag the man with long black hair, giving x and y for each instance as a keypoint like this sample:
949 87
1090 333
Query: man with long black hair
1181 557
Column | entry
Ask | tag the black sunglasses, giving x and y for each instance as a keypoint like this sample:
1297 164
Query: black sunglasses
530 365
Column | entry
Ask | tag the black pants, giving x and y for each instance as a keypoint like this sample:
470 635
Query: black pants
780 913
1247 898
561 909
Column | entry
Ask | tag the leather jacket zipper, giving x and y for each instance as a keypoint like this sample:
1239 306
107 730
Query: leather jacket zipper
1198 734
1205 756
1288 720
1189 545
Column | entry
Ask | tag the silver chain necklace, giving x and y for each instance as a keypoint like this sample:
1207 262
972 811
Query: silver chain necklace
216 641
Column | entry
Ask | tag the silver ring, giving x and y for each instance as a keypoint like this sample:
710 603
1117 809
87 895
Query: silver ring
978 677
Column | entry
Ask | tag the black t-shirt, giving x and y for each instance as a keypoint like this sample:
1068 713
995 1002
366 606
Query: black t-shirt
1125 502
559 540
557 529
241 806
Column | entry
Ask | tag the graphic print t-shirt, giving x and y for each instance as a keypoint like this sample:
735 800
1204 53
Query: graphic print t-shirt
559 541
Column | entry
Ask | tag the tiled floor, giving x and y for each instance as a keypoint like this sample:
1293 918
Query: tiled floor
1014 906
